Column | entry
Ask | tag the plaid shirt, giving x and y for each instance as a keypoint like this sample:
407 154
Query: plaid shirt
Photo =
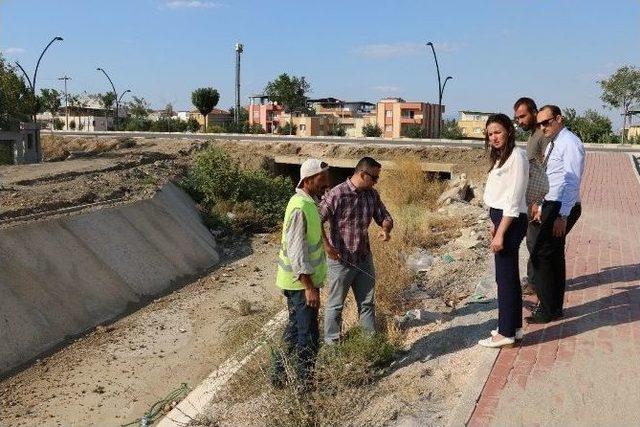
349 212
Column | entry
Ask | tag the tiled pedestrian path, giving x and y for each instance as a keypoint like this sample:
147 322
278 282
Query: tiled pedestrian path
584 369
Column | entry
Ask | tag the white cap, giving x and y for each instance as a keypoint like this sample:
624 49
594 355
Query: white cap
311 167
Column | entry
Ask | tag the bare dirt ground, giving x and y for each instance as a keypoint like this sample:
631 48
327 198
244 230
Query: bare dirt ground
114 374
104 170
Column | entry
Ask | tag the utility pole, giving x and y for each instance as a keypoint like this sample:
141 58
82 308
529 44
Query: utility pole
236 111
66 98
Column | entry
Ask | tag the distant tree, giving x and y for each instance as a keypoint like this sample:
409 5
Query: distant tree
290 92
414 131
622 90
193 125
451 130
107 101
58 124
16 101
244 114
72 125
592 127
49 100
337 130
288 129
139 108
205 100
371 130
168 111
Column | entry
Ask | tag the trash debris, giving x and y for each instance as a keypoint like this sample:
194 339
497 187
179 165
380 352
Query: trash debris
447 258
419 260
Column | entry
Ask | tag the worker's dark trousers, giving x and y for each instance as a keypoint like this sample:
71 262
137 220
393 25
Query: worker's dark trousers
549 275
301 337
508 275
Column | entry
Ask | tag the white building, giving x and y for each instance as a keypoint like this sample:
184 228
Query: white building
89 117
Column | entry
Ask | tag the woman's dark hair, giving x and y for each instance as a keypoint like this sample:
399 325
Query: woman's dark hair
500 156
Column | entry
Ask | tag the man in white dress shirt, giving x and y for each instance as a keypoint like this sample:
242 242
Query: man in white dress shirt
557 213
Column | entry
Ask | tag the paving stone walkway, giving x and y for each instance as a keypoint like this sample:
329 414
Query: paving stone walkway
583 370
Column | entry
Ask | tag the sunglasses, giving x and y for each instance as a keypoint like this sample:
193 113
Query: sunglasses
374 178
546 123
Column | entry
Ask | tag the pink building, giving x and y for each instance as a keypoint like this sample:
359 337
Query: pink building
395 116
264 112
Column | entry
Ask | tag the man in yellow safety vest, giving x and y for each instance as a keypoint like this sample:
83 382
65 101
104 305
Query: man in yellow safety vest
302 270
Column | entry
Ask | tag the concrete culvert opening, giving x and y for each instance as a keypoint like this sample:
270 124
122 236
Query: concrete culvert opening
341 169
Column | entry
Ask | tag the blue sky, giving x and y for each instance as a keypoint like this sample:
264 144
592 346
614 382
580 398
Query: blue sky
496 51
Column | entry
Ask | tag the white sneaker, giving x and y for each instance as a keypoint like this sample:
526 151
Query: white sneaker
488 342
519 333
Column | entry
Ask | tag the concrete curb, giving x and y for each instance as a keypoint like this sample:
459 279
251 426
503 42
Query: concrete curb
202 396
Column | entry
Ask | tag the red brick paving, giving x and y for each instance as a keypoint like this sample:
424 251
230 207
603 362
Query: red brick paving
602 316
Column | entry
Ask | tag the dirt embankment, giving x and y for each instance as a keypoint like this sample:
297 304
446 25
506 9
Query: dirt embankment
103 170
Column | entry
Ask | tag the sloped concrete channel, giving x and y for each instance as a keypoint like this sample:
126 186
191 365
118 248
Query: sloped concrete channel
64 276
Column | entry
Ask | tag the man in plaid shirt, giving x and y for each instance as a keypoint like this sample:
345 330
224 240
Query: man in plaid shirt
349 208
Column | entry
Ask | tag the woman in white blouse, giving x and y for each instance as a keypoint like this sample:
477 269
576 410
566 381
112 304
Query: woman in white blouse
505 195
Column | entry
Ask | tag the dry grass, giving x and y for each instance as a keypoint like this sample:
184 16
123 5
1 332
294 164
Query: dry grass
56 148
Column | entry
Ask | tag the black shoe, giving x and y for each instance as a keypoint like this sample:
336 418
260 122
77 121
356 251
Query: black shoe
538 317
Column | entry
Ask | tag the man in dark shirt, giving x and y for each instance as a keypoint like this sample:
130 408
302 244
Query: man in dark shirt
349 208
525 111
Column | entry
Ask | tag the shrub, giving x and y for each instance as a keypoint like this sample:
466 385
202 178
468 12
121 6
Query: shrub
137 124
337 130
72 125
216 129
371 130
193 125
248 200
451 130
413 131
58 124
256 128
286 129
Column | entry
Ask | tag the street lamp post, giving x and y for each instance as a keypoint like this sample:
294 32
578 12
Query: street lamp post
441 86
115 93
32 83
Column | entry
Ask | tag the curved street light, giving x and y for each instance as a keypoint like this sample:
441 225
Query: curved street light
123 94
32 83
440 85
115 93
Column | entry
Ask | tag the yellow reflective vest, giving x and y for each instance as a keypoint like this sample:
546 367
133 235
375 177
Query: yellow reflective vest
285 278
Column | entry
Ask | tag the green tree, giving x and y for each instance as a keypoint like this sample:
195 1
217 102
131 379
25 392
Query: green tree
139 108
371 130
168 111
622 90
244 114
16 101
49 100
592 127
288 129
451 130
290 92
107 101
205 100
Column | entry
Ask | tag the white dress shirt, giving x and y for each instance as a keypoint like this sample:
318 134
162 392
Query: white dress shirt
507 185
564 170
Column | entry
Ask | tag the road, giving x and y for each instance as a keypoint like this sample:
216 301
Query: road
328 139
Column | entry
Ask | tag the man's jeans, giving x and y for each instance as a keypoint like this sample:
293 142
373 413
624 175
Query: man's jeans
301 337
341 278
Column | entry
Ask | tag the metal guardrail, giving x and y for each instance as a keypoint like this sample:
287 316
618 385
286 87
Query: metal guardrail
465 143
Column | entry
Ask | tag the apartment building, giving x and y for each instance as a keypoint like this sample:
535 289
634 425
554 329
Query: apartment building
472 123
216 117
395 115
264 112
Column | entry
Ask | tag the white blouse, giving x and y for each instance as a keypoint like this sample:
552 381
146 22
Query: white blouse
507 185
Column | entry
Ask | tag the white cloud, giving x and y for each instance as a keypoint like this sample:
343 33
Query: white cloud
13 50
394 50
387 89
190 4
